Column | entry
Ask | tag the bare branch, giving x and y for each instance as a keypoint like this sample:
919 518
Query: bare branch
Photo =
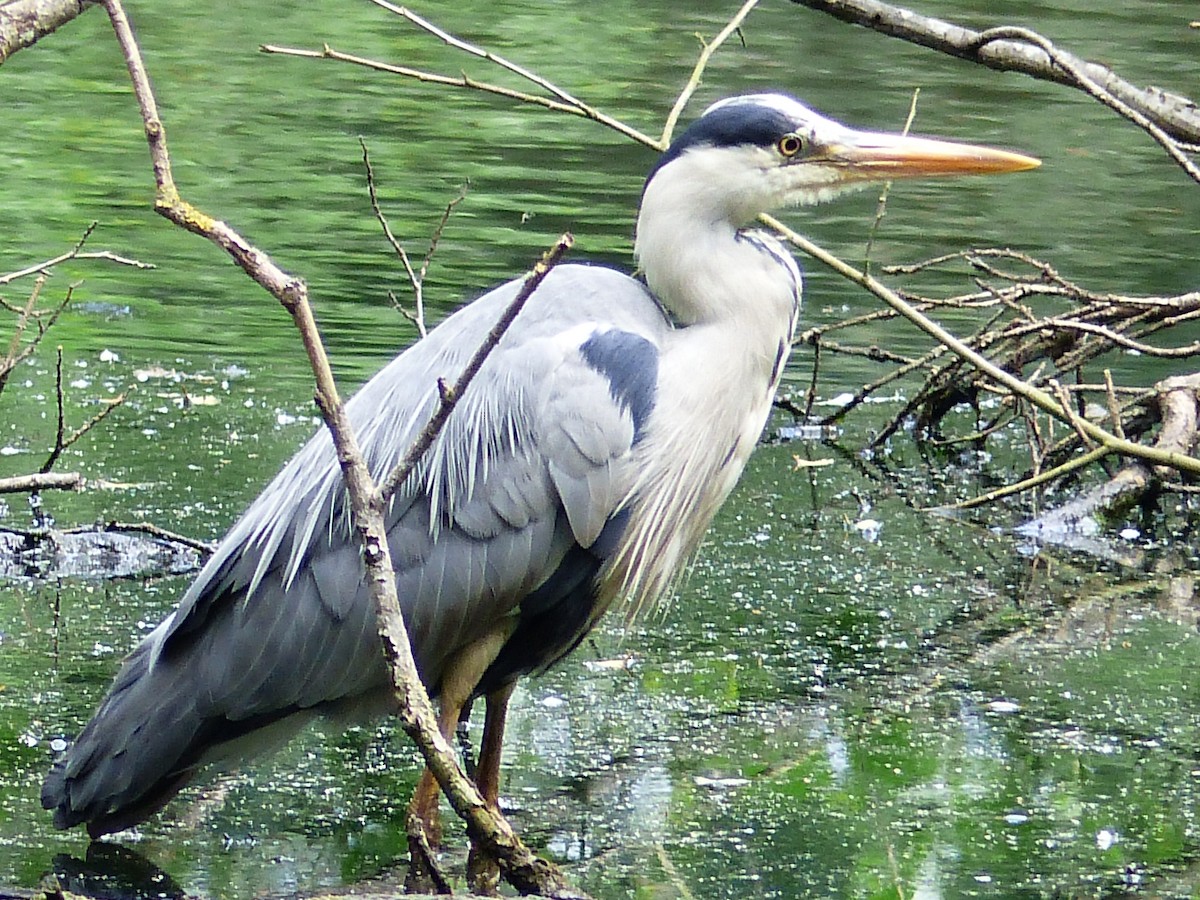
698 71
25 22
881 206
1044 477
467 47
450 395
1176 115
462 81
61 418
524 870
1114 410
418 317
1076 69
75 254
63 441
439 229
16 353
416 279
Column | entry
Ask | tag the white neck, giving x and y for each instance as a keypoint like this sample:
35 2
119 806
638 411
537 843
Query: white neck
734 296
702 267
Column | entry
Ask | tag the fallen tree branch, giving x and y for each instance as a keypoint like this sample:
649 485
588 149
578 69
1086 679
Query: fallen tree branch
1177 400
1176 115
1035 396
40 481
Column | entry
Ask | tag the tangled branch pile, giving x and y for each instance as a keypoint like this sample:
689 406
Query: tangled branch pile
1052 334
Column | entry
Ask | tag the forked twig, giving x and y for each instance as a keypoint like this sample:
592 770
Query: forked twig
449 395
75 253
416 278
416 716
693 82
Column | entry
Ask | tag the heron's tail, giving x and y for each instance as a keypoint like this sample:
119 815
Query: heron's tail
145 742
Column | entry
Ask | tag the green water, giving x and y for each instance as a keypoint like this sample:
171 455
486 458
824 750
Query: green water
940 713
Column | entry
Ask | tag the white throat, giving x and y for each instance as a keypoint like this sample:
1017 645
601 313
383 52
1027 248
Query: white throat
699 259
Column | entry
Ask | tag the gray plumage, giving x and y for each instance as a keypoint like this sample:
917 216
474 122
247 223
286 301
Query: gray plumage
582 467
278 624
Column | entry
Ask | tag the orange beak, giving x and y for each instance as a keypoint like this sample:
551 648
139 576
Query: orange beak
871 156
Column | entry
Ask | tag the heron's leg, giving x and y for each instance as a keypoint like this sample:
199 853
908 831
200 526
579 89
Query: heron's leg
424 825
483 870
424 804
462 673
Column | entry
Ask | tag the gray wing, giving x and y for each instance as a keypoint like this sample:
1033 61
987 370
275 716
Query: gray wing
531 467
531 462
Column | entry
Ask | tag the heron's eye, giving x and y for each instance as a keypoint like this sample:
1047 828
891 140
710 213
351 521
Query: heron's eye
791 145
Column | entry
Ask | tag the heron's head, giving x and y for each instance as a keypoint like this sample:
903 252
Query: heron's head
759 152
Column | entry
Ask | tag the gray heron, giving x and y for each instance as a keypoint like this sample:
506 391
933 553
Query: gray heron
580 471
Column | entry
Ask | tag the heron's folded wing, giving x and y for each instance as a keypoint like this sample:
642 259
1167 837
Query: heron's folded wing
529 465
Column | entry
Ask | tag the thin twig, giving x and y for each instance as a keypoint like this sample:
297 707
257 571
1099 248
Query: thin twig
870 388
16 353
1073 417
106 255
439 229
1114 410
474 50
60 428
693 82
418 314
881 206
448 396
76 253
462 81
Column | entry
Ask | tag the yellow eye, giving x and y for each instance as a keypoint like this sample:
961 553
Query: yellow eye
790 145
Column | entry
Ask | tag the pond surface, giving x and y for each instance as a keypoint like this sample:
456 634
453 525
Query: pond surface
942 711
